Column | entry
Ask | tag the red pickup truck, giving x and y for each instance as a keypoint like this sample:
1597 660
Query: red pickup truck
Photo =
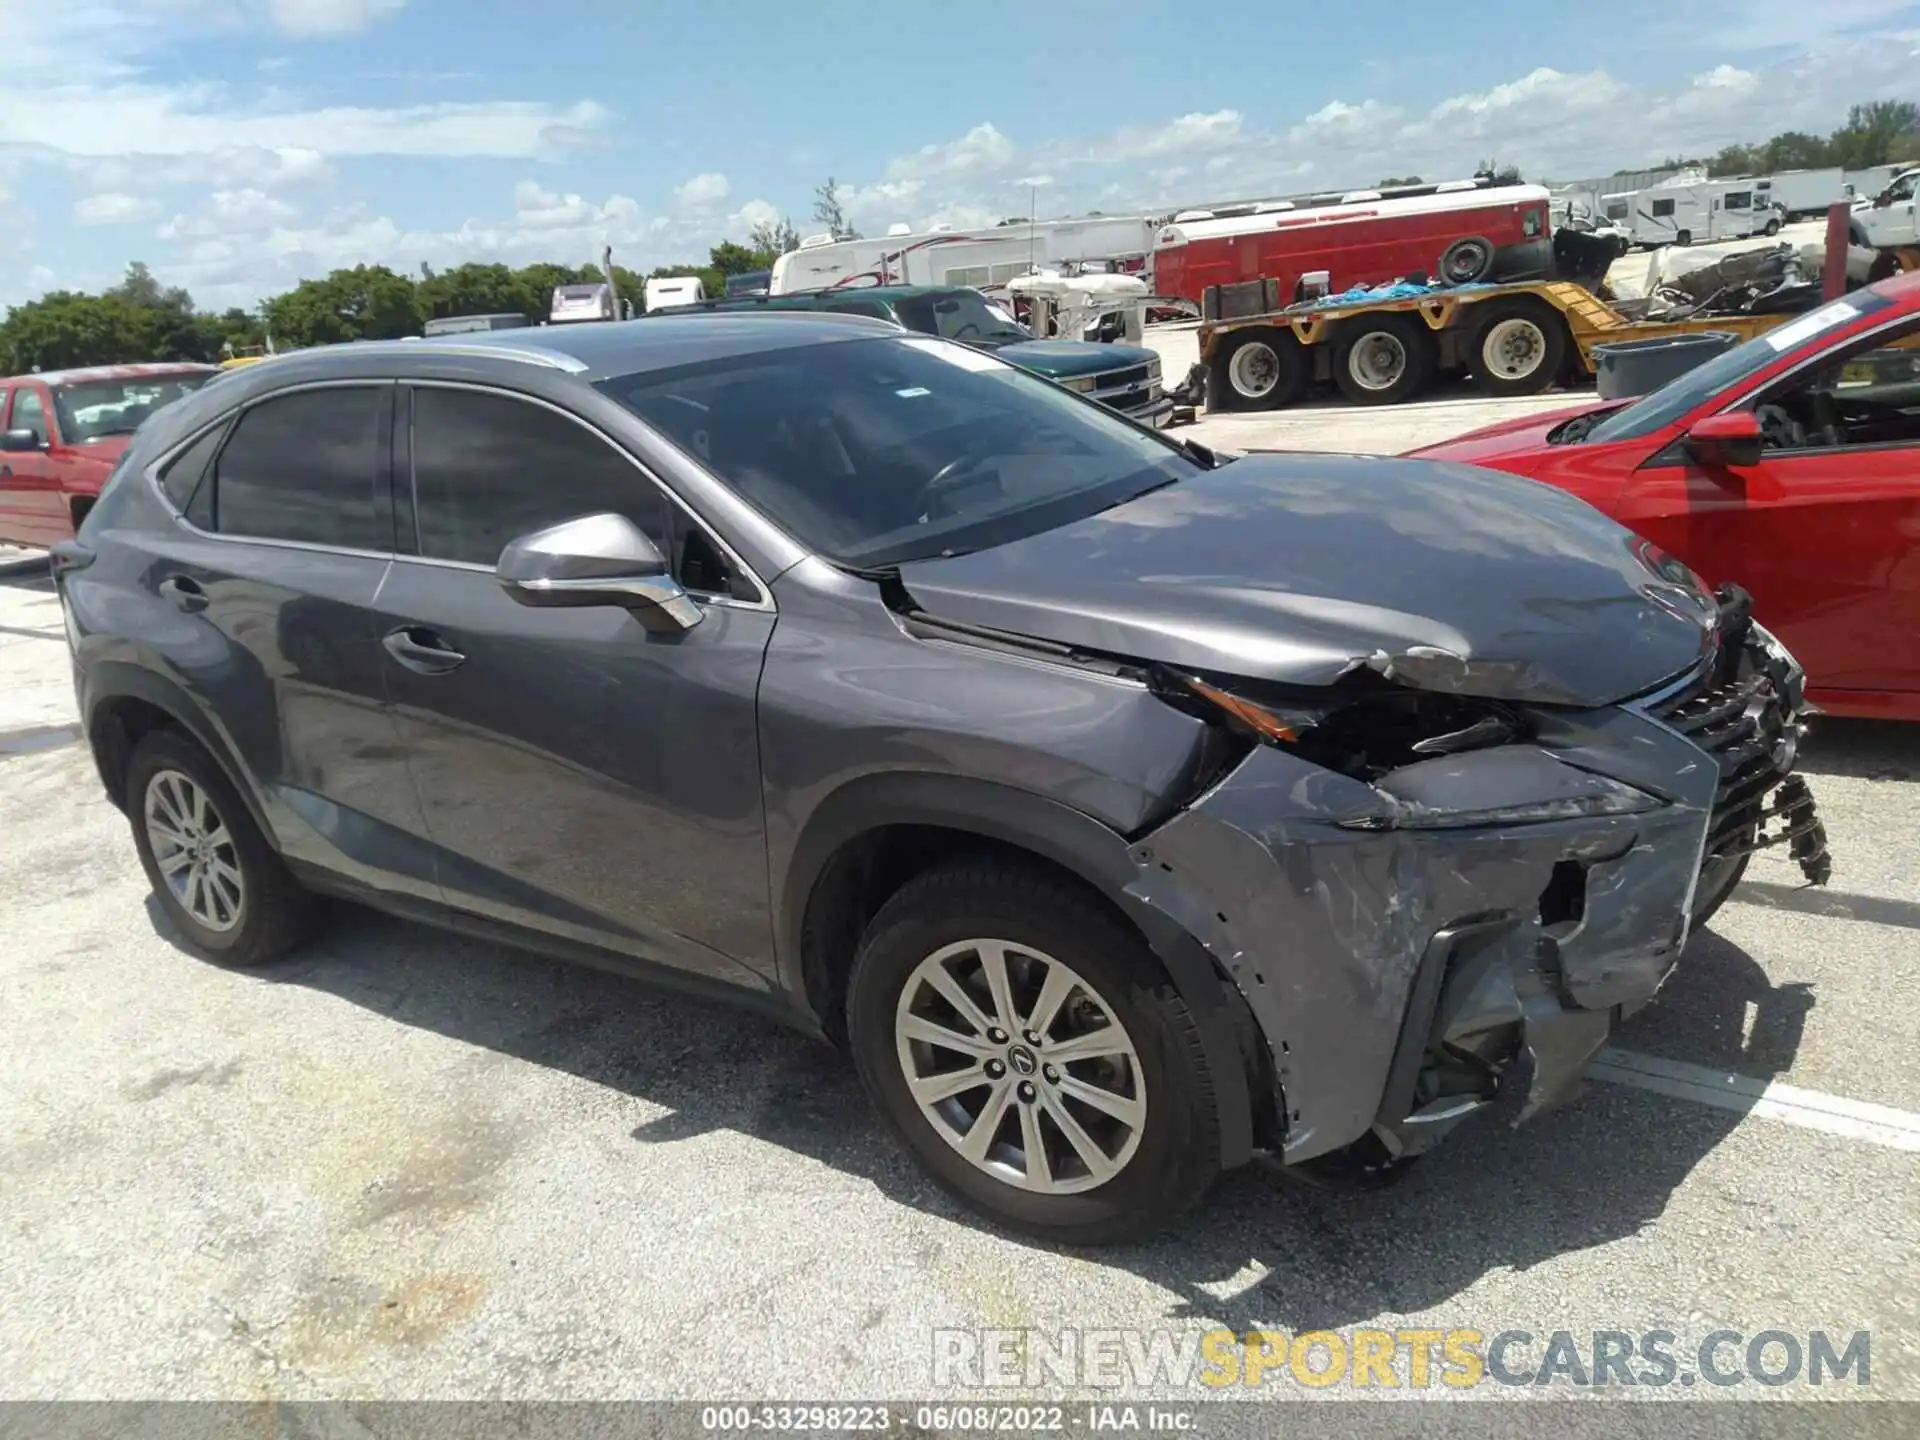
62 431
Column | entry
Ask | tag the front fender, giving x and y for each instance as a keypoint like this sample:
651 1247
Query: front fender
1054 832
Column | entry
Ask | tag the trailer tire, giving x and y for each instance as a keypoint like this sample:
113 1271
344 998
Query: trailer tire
1519 347
1466 260
1257 369
1383 360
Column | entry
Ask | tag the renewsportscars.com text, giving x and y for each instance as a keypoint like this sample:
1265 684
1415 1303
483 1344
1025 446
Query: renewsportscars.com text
1411 1359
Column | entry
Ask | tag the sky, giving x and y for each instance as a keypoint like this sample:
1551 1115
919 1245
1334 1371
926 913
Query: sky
239 146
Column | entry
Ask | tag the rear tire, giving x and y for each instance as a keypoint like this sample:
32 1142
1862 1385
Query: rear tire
1384 359
1685 237
226 890
951 918
1259 369
1520 348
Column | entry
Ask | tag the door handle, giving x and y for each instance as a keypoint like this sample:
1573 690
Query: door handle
6 472
184 594
421 650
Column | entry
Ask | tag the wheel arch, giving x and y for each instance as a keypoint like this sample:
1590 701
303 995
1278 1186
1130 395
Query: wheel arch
124 703
875 833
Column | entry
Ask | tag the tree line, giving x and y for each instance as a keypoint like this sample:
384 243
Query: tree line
1883 132
140 319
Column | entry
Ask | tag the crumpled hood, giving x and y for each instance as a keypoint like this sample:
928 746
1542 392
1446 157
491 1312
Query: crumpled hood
1300 568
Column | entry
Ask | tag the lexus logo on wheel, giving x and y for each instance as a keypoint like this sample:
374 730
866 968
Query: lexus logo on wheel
1022 1061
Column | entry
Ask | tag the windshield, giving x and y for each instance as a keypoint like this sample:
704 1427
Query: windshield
98 408
963 315
1727 369
874 452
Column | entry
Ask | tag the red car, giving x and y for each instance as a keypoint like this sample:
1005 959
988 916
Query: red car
62 431
1789 466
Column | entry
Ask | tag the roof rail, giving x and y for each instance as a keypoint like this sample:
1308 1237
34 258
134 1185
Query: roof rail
432 345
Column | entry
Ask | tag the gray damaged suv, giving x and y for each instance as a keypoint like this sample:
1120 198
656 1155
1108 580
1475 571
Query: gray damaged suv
1124 808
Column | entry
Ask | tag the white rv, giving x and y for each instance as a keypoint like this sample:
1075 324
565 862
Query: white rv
1690 209
984 259
666 291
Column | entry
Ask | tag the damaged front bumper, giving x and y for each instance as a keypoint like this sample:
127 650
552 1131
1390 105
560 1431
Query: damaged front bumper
1407 973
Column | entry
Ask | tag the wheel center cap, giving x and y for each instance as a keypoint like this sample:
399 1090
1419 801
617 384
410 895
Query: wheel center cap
1022 1061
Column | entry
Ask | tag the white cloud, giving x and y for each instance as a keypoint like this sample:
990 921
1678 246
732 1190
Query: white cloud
234 166
230 212
112 207
1340 126
702 192
982 148
754 212
108 121
328 17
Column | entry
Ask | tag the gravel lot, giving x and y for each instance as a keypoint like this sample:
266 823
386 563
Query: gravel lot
409 1165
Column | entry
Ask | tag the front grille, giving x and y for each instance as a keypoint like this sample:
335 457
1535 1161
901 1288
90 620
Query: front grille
1119 379
1743 709
1745 726
1127 401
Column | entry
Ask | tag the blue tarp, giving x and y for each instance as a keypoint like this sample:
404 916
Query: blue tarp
1397 290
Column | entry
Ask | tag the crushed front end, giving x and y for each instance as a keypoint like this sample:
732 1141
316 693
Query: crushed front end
1432 903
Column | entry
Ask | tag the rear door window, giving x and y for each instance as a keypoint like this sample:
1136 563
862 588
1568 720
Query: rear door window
305 467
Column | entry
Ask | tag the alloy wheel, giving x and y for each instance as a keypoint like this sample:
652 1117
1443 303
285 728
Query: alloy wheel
194 850
1021 1066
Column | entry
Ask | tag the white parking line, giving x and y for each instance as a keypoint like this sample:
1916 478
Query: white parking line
1810 1109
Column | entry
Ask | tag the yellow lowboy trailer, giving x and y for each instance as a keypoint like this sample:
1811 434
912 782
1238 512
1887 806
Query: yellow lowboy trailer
1517 339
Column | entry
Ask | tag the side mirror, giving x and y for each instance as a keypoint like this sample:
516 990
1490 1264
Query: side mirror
602 559
14 441
1730 441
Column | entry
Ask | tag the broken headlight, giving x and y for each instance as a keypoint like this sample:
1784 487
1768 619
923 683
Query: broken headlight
1366 734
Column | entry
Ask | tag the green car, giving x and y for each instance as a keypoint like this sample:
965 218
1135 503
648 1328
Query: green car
1125 378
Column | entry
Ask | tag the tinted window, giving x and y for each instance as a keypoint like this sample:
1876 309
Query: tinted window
1662 209
182 477
870 308
1731 367
488 469
876 451
28 414
303 467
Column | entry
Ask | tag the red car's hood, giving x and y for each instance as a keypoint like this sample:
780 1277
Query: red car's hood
1496 444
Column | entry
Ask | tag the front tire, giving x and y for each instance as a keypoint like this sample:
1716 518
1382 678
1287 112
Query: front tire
226 890
1028 1048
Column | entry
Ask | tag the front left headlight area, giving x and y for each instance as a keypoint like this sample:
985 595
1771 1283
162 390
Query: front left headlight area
1406 744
